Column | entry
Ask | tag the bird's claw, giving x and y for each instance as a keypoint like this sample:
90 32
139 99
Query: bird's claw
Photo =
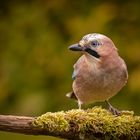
113 110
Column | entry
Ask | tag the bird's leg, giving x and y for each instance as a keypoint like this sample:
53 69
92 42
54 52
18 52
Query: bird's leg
113 110
79 104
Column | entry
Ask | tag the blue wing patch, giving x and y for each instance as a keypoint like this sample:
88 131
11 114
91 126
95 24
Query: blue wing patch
74 74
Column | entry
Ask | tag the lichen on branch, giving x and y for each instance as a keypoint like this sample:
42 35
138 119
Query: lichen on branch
89 124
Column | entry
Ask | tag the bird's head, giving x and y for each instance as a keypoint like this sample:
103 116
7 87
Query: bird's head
95 45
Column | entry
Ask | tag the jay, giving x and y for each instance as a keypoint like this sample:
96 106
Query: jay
99 73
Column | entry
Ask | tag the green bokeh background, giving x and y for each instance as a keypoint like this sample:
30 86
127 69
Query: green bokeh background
35 64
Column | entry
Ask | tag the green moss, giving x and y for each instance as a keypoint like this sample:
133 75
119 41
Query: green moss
91 121
52 122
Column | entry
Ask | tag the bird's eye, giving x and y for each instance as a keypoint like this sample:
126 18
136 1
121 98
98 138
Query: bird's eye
95 43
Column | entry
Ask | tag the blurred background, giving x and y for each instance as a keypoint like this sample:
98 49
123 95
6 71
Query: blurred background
35 64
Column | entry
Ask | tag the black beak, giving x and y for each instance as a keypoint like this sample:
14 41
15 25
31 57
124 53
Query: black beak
75 47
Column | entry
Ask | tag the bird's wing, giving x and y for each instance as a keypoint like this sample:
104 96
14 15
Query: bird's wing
72 94
75 75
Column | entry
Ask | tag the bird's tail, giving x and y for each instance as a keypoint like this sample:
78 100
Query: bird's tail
71 95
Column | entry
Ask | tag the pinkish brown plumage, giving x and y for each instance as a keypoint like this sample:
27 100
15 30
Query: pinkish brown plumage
100 72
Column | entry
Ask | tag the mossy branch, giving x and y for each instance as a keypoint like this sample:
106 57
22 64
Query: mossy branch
95 123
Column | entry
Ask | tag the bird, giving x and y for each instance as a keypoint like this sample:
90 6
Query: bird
100 73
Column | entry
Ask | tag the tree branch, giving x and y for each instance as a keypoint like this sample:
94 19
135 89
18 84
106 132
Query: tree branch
19 124
95 123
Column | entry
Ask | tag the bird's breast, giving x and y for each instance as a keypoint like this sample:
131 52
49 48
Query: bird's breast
94 83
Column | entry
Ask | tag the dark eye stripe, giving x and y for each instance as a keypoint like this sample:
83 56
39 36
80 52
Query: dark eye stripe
92 52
